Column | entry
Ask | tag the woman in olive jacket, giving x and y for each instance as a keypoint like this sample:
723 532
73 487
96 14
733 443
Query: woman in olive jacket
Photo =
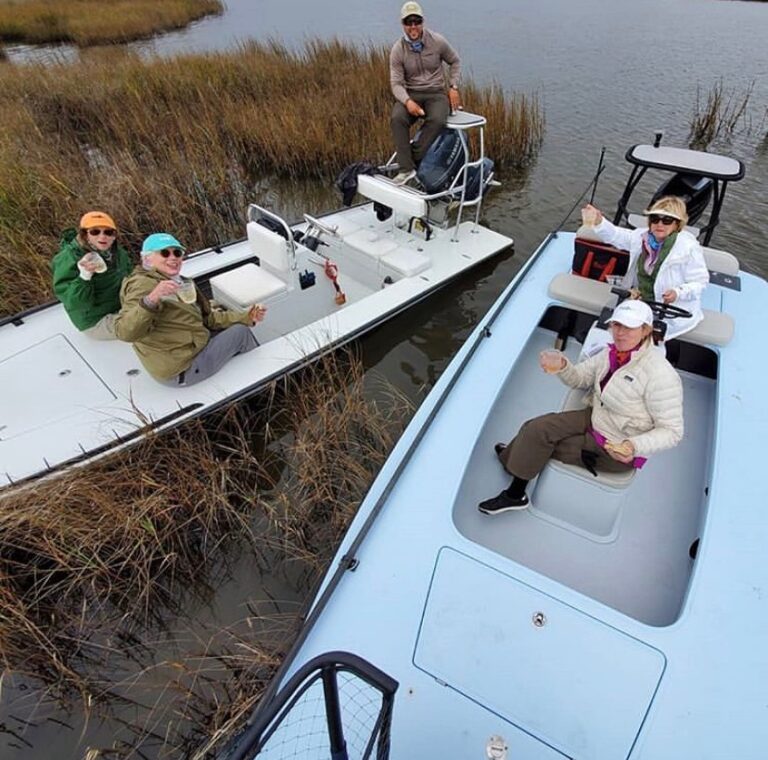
180 343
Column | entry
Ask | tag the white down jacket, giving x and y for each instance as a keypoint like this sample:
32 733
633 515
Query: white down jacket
684 270
642 402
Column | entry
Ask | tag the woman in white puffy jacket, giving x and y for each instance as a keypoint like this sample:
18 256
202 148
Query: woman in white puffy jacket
636 410
666 263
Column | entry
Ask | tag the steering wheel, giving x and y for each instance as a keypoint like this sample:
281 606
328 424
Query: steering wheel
663 310
320 227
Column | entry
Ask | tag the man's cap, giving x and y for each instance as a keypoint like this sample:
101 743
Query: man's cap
97 219
410 9
159 240
632 313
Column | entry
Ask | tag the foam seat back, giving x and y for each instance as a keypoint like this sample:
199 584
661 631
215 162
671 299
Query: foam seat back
405 200
272 249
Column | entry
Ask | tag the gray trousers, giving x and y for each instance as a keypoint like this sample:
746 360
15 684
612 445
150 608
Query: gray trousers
560 435
236 339
437 109
104 329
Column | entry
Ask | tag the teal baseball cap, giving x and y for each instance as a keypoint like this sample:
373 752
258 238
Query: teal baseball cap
159 240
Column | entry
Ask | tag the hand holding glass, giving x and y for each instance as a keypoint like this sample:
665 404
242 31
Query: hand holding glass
187 291
98 265
551 360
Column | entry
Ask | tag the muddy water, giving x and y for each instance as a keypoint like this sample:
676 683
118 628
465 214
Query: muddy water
608 74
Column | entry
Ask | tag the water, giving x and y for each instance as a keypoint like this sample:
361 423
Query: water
608 73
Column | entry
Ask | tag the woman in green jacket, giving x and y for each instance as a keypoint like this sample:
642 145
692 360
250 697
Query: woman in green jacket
87 273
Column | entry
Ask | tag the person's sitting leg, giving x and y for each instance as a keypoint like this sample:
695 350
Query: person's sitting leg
236 339
400 123
528 453
437 110
104 329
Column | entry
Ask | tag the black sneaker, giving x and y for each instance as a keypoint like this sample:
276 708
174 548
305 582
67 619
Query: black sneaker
502 503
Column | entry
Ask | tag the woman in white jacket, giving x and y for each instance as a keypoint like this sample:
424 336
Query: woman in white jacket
666 263
636 410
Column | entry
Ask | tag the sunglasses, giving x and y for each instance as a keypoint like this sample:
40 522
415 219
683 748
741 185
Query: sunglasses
176 252
107 232
655 219
413 21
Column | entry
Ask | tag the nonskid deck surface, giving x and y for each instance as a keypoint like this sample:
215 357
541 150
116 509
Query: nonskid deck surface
639 564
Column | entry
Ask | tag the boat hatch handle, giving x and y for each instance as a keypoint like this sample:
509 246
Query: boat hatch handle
299 694
496 748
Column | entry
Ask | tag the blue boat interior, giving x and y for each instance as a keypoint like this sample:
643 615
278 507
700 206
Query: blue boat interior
621 540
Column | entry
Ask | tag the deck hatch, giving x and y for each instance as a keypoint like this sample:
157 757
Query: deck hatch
568 679
45 383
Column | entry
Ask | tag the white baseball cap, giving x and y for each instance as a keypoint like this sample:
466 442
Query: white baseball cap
410 9
632 313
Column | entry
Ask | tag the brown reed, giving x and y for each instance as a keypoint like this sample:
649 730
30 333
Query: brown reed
94 22
112 546
90 560
182 144
719 116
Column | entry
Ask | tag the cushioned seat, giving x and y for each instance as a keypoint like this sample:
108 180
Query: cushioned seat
244 286
721 261
406 262
371 243
716 329
405 200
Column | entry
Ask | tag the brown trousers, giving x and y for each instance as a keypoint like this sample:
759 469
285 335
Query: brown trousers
437 109
560 435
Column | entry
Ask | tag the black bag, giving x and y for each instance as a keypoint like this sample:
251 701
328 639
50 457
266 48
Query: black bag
596 260
347 180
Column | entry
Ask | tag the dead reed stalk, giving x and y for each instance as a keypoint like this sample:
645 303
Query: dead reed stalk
112 547
182 144
719 116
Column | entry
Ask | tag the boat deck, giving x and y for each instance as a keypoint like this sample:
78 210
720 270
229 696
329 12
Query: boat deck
589 638
626 547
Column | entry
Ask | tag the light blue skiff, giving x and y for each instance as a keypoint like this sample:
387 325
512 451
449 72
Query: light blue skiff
581 627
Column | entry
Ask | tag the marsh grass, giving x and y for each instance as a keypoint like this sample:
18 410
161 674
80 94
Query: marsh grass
112 547
93 563
181 144
94 22
719 116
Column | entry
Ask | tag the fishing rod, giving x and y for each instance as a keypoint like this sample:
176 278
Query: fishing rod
592 184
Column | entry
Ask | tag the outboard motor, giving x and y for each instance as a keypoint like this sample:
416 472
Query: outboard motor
694 189
444 160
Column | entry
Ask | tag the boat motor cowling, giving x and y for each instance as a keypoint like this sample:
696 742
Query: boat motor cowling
445 159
